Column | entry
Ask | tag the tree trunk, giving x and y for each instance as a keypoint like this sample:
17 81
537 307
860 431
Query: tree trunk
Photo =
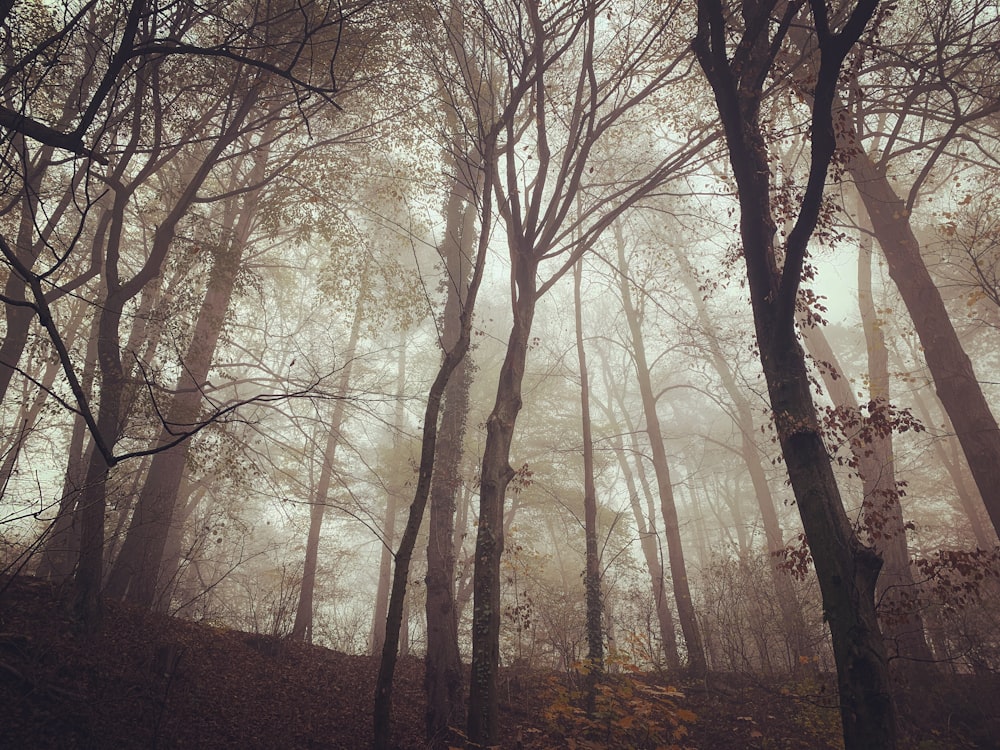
31 408
92 502
444 676
649 540
592 574
136 573
949 454
495 475
109 422
302 628
671 524
17 317
903 623
791 612
954 377
382 715
391 511
846 569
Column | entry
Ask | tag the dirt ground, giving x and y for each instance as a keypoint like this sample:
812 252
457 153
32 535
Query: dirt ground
154 682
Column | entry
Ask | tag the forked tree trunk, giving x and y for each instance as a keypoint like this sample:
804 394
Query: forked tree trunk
846 569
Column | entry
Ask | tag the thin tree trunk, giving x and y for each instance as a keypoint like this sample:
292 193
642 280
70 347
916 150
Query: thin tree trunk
496 473
30 409
62 549
649 540
391 511
791 612
382 715
443 675
650 553
592 575
668 509
302 628
903 623
948 453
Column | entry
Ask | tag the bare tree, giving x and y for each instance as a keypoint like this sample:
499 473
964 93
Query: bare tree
569 103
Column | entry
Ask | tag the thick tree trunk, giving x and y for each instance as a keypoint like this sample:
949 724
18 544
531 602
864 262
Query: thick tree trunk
881 509
845 568
954 377
668 508
495 475
444 676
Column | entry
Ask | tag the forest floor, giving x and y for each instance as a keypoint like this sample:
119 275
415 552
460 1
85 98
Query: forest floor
150 681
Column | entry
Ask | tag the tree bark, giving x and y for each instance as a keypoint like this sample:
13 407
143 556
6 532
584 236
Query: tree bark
846 569
444 675
592 573
954 377
136 573
668 508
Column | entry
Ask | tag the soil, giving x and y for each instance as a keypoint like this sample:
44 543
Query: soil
154 682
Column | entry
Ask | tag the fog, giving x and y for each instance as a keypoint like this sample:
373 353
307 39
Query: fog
248 253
